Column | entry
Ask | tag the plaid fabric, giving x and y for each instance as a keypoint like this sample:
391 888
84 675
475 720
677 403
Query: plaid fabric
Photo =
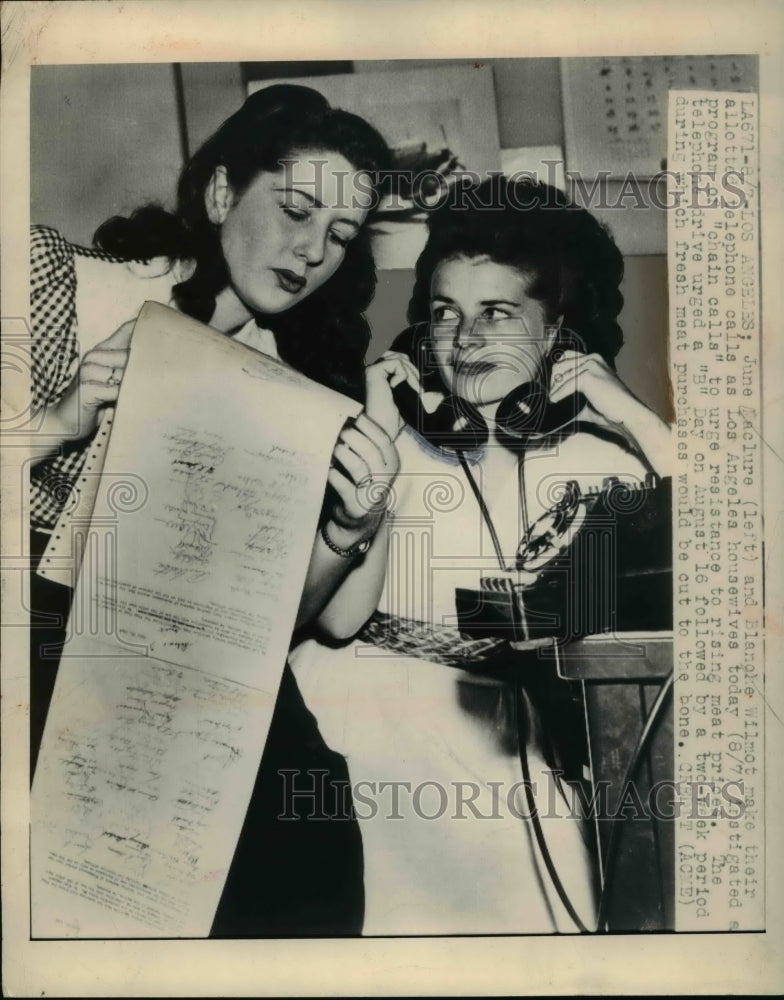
427 641
55 360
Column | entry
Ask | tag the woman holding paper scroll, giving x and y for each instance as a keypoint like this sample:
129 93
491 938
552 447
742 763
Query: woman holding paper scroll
268 244
433 729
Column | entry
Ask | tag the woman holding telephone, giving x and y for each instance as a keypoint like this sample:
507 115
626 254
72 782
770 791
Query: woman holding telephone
520 289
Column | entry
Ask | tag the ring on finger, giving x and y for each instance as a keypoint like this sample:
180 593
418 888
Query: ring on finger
113 380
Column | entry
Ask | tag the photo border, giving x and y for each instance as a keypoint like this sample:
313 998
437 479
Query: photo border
196 30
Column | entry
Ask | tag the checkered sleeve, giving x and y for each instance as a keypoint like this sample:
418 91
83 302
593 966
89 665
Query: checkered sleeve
54 348
55 360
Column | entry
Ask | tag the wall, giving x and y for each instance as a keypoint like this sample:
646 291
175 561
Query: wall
527 91
103 140
211 91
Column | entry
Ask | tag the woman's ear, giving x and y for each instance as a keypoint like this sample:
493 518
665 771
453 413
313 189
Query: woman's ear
218 197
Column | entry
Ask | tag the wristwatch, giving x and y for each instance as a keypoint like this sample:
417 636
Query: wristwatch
356 550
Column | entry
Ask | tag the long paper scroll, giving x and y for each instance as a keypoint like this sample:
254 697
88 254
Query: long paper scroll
193 568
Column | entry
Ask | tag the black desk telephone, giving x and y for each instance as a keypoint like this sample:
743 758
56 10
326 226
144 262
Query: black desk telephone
596 562
457 425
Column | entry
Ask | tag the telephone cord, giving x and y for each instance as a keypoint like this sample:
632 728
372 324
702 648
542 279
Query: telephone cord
534 815
484 510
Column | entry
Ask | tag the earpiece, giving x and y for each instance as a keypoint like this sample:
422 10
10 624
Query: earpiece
455 424
527 412
524 413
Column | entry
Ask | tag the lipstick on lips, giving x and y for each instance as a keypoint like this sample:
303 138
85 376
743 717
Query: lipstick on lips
472 369
289 281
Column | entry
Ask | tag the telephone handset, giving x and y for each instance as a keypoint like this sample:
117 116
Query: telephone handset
455 424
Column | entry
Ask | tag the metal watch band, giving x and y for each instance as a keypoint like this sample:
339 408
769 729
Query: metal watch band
356 550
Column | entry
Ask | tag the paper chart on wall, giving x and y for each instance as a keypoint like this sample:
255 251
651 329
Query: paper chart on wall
615 107
194 564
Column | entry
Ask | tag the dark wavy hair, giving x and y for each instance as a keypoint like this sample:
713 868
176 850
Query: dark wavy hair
326 335
575 268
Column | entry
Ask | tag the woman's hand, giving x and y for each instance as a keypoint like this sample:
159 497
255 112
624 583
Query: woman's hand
96 385
608 397
365 460
364 465
592 376
381 377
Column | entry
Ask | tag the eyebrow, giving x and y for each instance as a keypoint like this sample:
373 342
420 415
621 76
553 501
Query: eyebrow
316 203
484 302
